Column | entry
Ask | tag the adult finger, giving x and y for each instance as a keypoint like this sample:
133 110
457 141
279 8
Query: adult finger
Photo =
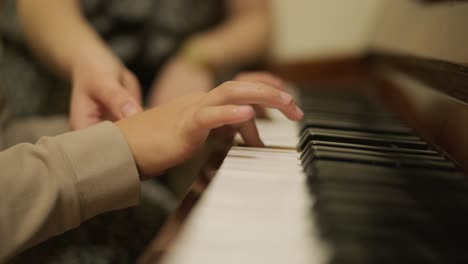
130 82
83 112
117 100
211 117
263 77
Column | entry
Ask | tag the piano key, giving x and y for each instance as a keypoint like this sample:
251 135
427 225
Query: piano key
268 188
347 123
378 194
363 114
356 193
335 219
395 162
376 153
366 147
387 195
364 139
338 113
428 223
364 228
407 250
364 134
353 104
324 94
337 171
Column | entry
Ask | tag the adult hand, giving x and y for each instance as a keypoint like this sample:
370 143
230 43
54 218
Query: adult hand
167 135
103 89
180 77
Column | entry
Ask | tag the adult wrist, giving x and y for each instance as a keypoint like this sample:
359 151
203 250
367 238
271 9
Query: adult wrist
97 61
194 53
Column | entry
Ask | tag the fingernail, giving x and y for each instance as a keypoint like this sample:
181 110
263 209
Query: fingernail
285 98
300 113
129 109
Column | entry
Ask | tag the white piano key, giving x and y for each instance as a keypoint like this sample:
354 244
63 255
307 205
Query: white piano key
277 132
256 210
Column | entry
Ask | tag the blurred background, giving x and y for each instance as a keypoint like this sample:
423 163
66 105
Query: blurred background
315 29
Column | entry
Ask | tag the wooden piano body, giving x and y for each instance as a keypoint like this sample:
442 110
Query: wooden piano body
416 66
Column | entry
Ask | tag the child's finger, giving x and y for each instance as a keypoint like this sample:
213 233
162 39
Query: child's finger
130 82
249 133
216 116
262 77
235 92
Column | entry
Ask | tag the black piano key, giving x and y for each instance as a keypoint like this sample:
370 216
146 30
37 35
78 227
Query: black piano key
355 193
351 104
381 194
367 147
396 159
410 197
349 172
347 251
376 153
336 219
347 109
444 242
442 247
360 134
363 139
321 95
415 247
354 124
406 250
338 101
396 162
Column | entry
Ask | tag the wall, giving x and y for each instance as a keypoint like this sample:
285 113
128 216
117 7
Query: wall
316 29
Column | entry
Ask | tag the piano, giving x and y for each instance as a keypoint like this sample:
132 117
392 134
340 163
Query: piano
375 173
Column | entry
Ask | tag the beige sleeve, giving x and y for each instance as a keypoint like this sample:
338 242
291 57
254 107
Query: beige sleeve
57 183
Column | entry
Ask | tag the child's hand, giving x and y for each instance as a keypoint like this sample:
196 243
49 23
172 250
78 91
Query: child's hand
103 89
262 77
169 134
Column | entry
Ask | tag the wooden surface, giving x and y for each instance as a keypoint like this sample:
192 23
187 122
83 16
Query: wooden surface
432 31
434 115
339 70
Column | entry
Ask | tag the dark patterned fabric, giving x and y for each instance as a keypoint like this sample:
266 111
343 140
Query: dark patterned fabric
145 33
27 87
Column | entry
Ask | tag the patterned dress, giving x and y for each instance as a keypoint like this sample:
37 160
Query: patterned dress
145 33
